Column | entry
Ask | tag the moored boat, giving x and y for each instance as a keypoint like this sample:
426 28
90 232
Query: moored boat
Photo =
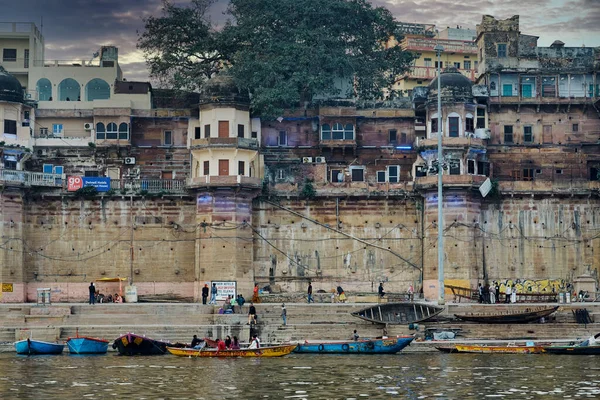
365 346
31 347
131 344
589 346
270 351
398 313
509 349
511 316
87 345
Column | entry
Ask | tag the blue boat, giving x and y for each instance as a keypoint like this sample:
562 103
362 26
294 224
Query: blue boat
365 346
87 345
31 347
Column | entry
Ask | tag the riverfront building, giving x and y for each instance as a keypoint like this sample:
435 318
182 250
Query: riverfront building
192 188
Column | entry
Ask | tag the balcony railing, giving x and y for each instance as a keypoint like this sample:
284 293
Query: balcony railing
166 186
427 44
226 142
427 73
26 178
229 180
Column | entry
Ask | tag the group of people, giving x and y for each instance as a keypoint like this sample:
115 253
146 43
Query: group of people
228 344
97 297
230 303
490 294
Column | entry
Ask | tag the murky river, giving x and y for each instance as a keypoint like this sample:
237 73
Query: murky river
404 376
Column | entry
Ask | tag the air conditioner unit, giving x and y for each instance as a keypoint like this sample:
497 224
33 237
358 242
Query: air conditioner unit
135 171
307 159
130 160
88 126
320 159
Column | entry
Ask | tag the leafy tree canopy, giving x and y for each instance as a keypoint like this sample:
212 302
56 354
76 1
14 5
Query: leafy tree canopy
283 52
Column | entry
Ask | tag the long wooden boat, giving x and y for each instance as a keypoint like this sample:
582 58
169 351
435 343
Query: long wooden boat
576 350
365 346
131 344
31 347
516 316
509 349
271 351
87 345
398 313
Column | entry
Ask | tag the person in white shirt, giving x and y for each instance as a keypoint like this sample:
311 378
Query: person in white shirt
507 294
255 343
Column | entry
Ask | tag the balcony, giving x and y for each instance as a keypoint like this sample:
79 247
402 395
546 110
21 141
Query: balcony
338 144
450 181
208 181
233 142
28 179
541 100
450 142
429 73
152 186
68 138
427 44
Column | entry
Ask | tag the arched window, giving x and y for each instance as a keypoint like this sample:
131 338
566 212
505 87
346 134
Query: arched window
123 131
326 132
44 89
111 131
337 131
97 89
454 126
69 90
349 132
100 131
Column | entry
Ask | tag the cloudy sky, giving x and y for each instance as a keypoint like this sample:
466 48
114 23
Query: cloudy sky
75 29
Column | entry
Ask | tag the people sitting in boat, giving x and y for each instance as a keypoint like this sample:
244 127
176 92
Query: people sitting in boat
380 291
252 314
355 336
235 344
255 344
195 342
591 341
221 345
228 342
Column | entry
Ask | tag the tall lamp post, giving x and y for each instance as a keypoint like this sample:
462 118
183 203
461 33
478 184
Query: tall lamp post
438 51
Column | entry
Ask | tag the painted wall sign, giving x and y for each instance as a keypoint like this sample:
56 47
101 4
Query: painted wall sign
225 289
74 183
101 184
7 287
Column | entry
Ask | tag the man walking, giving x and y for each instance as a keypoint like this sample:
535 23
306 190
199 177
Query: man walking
213 294
92 290
284 314
204 293
309 292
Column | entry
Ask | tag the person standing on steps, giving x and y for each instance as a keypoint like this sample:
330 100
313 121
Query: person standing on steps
507 294
309 293
213 294
204 293
284 314
92 290
252 314
355 336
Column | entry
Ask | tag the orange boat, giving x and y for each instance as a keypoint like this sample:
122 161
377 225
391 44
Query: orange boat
509 349
271 351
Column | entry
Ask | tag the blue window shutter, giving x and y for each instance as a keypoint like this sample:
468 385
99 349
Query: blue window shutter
48 168
58 170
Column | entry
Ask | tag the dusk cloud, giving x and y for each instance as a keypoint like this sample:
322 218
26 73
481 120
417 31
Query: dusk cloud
75 29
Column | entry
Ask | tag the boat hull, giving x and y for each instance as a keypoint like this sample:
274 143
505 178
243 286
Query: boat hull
398 313
272 351
87 345
132 345
374 346
32 347
508 318
498 349
576 350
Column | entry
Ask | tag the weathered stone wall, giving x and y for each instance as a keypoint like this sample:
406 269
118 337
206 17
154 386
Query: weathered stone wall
11 247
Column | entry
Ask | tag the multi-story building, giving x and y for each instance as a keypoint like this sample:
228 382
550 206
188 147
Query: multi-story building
342 192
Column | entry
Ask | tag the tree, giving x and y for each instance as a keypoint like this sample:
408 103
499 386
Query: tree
285 53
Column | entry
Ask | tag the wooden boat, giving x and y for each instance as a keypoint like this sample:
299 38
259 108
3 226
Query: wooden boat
516 316
87 345
365 346
509 349
398 313
583 348
272 351
31 347
131 344
447 348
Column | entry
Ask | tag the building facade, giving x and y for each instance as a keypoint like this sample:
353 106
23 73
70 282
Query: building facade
193 188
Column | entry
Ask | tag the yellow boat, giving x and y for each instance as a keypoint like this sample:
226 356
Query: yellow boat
272 351
510 349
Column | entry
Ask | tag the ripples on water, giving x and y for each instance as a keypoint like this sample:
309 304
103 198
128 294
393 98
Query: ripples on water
302 376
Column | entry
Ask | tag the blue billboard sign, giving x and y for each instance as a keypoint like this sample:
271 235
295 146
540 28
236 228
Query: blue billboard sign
100 183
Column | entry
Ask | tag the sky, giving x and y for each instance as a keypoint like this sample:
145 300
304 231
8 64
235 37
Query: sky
75 29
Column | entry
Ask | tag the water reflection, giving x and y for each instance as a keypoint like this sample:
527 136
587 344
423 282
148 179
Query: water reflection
302 376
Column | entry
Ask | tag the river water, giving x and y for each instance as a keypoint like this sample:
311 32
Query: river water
301 376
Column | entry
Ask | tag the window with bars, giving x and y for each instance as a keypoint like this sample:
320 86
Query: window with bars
501 50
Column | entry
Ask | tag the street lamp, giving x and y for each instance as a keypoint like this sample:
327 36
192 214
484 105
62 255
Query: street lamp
438 51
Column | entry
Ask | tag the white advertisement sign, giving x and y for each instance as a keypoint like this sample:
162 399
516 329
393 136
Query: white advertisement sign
225 289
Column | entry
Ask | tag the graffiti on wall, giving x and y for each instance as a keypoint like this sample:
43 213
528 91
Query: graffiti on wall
534 286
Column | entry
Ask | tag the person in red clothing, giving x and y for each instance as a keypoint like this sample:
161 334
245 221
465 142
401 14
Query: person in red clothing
220 345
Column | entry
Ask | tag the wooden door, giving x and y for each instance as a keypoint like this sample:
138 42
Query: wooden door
223 129
223 167
547 136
